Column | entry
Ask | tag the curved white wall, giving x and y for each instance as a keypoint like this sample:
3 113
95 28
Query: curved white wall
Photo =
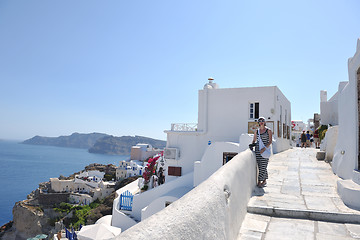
280 145
144 199
329 143
205 212
156 206
212 160
244 141
119 219
122 221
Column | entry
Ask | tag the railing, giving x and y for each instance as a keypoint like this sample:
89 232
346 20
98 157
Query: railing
184 127
126 200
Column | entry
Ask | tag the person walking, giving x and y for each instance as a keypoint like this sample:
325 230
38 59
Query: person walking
161 177
307 139
265 134
316 138
303 139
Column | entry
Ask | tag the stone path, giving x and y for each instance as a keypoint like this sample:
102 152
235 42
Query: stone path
299 202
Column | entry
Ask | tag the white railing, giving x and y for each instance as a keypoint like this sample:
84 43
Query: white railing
184 127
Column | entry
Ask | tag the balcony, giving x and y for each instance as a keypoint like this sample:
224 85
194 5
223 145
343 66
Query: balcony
184 127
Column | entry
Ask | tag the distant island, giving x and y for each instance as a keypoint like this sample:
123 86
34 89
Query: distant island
75 140
96 142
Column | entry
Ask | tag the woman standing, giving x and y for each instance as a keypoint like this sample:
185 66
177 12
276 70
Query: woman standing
266 137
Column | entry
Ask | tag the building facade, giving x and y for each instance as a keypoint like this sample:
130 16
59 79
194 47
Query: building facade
223 116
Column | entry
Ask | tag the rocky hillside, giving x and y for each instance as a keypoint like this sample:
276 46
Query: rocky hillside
75 140
96 142
31 217
122 145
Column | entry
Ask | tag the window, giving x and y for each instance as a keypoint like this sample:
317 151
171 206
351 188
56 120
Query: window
174 171
254 110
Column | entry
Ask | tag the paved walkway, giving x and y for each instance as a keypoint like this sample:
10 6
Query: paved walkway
299 202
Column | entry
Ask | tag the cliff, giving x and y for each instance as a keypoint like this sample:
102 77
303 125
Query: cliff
96 142
75 140
40 212
122 145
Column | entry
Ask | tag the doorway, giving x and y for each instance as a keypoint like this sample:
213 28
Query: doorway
227 156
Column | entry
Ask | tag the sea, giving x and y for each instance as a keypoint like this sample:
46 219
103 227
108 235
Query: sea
23 167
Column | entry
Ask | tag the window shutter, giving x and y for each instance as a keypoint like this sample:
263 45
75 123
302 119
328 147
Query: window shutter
174 171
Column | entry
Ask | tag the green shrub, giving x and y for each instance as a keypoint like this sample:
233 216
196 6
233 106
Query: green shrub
109 177
322 131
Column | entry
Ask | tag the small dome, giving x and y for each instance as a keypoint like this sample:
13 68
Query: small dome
211 84
208 86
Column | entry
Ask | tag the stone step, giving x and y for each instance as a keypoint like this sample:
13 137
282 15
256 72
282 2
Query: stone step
349 192
320 155
305 214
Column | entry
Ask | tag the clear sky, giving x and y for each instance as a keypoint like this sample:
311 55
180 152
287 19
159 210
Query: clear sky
135 67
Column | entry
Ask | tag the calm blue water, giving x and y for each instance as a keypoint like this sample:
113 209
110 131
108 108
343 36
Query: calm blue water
23 167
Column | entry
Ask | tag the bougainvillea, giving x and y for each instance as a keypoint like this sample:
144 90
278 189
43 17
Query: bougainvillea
150 169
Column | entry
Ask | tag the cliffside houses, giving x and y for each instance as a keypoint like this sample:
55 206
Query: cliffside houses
84 188
227 118
135 167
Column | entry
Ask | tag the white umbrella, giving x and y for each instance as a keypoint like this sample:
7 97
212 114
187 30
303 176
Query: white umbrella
98 232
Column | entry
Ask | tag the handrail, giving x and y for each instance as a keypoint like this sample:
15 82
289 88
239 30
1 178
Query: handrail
184 127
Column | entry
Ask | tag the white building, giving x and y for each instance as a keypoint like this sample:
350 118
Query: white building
223 116
341 141
143 151
226 117
121 171
329 109
136 168
85 188
297 126
129 169
346 161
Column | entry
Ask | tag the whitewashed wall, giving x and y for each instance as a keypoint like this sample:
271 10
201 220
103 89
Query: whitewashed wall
119 219
228 110
212 160
344 164
223 117
206 212
329 142
144 199
192 146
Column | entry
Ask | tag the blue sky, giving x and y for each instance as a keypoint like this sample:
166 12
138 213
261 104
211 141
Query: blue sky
135 67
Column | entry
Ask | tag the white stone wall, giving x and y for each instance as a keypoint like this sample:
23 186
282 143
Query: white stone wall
344 164
156 206
212 160
213 210
144 199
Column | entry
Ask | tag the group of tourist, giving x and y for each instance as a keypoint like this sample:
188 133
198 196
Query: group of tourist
308 139
159 178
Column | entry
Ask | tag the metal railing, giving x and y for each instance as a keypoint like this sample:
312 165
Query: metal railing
184 127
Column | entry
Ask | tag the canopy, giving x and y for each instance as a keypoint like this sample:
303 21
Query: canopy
98 231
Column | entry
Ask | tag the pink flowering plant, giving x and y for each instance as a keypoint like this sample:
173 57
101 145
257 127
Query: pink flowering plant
150 169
